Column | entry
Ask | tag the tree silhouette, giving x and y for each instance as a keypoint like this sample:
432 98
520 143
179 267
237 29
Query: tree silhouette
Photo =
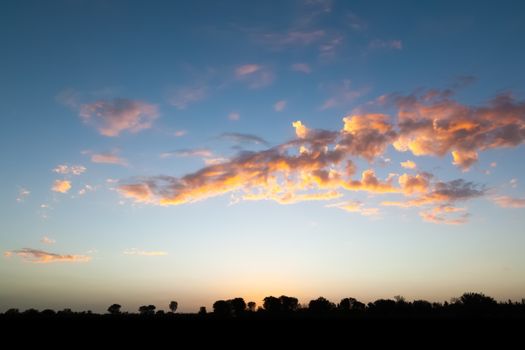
251 306
288 304
238 306
320 305
173 306
222 308
114 309
147 310
202 311
350 304
272 304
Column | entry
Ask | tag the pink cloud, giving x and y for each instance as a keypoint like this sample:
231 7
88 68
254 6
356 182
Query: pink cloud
43 257
254 75
279 105
108 158
113 117
509 202
302 67
182 97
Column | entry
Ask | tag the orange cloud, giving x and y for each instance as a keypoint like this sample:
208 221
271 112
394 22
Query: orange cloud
408 164
445 215
355 207
114 117
366 135
300 130
43 257
435 124
509 202
62 186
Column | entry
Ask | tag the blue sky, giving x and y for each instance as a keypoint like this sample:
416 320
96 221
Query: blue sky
102 98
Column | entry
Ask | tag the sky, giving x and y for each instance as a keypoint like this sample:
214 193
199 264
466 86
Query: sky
204 150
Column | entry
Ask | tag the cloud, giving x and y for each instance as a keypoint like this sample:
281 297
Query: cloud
355 207
386 44
135 251
43 257
62 186
408 164
243 138
23 193
234 116
493 164
513 183
113 117
302 68
47 240
73 169
321 164
445 215
342 94
433 123
355 22
300 130
182 97
180 133
293 38
279 105
509 202
196 152
328 48
247 69
316 172
108 158
85 189
254 75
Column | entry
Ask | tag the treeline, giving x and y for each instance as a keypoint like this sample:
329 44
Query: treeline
285 307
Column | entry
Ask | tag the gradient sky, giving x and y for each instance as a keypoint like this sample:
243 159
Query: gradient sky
203 150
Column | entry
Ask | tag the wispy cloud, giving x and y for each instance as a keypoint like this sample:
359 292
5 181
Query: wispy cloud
509 202
355 207
243 138
279 105
47 240
301 67
255 75
183 97
43 257
180 133
386 44
61 186
196 152
342 94
86 189
113 117
135 251
106 158
70 169
355 22
234 116
23 193
329 48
